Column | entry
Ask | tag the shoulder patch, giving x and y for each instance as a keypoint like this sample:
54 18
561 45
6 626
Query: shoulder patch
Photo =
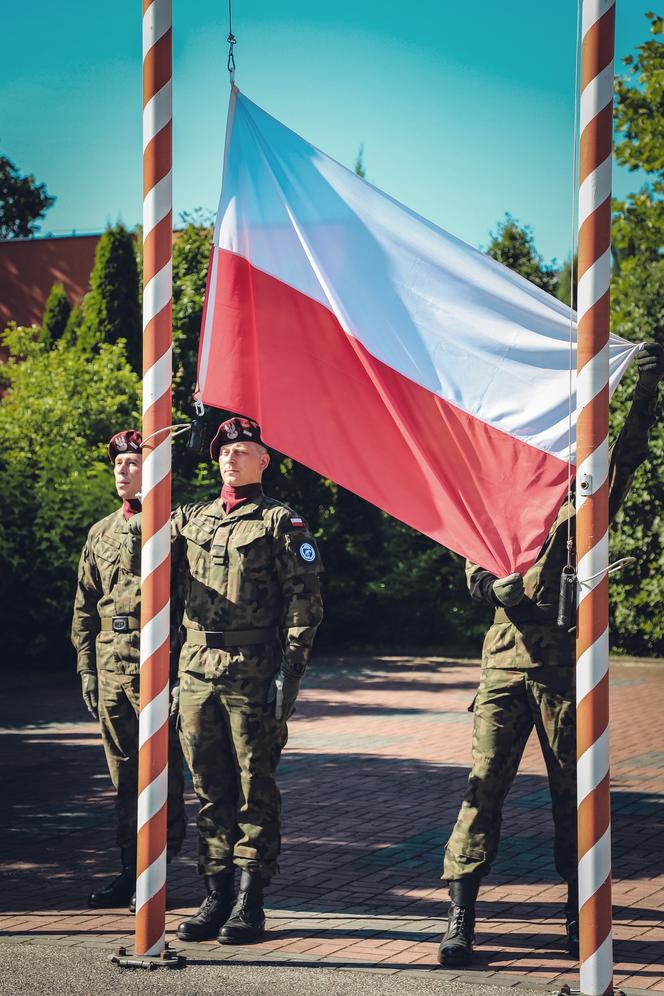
307 552
297 521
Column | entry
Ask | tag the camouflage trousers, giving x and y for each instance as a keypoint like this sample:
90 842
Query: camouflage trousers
118 716
509 703
232 744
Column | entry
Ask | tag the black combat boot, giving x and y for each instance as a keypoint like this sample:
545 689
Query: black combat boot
214 910
246 923
456 947
572 918
120 890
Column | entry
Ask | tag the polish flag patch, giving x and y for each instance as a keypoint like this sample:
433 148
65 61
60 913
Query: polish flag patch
297 521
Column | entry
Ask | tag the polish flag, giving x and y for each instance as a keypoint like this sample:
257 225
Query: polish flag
384 353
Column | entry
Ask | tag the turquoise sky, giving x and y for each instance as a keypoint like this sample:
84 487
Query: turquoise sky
465 109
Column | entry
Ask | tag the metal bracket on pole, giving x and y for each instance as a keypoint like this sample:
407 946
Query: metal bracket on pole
167 959
585 484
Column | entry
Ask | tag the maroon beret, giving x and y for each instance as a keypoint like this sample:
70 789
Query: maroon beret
127 441
235 430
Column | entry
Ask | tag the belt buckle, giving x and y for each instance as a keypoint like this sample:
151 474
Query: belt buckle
120 624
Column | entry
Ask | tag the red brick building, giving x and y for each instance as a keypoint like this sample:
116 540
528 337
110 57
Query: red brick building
30 267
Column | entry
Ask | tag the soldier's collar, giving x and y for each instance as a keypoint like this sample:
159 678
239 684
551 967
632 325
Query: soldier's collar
246 510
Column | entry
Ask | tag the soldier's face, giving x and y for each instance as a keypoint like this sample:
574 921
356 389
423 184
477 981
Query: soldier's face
128 472
242 463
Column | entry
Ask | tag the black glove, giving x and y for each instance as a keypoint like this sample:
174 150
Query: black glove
175 700
283 692
90 692
509 590
650 365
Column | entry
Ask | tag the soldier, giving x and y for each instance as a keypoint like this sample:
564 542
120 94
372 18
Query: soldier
528 679
250 573
105 633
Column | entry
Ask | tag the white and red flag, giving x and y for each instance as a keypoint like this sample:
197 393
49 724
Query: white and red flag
384 353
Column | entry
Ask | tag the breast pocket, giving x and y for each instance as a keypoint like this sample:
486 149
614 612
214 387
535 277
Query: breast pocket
249 559
198 539
107 557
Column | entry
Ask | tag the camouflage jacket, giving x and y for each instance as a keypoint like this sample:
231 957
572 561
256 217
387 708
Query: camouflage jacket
104 590
256 567
526 635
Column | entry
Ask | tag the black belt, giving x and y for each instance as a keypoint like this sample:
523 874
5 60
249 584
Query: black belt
231 637
119 624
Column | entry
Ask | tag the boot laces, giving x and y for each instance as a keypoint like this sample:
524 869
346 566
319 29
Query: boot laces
458 921
209 903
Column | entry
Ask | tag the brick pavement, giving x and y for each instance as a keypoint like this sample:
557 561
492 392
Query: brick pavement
372 779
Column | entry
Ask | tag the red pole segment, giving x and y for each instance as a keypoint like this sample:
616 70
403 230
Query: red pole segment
592 645
155 557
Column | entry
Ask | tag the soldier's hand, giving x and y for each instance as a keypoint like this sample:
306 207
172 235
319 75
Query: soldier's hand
650 365
175 700
134 524
283 692
90 692
509 590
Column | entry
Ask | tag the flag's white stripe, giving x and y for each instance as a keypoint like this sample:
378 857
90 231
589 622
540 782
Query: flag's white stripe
593 563
592 666
592 767
595 867
596 971
157 380
596 466
156 22
157 293
153 716
155 551
594 283
151 881
157 203
594 190
152 798
437 311
596 95
156 465
157 113
592 11
155 633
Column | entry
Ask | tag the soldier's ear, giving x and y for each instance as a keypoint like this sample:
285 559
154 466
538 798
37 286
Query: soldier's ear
264 461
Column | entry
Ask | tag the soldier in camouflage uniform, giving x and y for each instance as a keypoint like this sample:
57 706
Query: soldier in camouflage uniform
105 633
252 604
528 679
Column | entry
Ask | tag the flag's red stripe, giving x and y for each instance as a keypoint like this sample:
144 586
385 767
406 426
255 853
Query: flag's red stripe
283 359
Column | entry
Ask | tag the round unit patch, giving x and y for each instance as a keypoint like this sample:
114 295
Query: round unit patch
307 552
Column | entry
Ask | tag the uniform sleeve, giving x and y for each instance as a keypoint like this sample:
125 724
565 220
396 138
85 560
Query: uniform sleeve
480 584
630 448
85 623
299 567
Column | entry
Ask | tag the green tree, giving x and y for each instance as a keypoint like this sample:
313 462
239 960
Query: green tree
59 408
637 292
56 314
23 202
191 255
111 309
514 245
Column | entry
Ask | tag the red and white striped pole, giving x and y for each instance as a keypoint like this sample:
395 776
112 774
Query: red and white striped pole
592 645
155 557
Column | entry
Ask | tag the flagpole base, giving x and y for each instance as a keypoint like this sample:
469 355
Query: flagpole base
124 958
566 991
